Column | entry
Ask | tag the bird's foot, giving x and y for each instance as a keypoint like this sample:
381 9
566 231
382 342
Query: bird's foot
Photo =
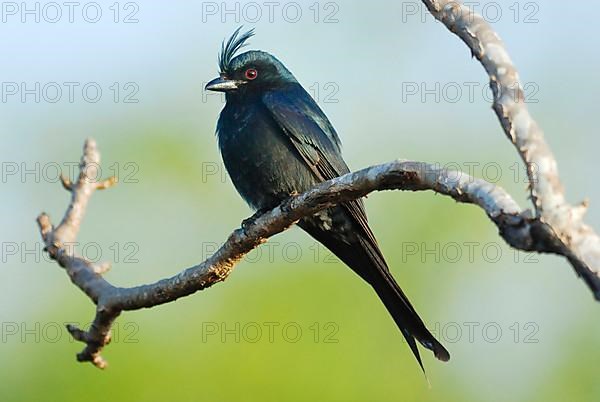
246 223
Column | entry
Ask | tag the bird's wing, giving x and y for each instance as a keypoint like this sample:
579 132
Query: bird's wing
314 137
311 133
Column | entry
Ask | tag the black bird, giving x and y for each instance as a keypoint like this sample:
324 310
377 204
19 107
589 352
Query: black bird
275 141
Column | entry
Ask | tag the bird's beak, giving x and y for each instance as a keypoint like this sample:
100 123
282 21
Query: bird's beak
223 84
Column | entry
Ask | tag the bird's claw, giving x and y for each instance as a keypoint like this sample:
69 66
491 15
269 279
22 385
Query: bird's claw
248 222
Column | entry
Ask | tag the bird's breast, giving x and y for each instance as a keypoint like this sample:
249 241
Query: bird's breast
261 161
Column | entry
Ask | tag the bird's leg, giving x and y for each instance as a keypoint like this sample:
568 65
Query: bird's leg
249 221
261 211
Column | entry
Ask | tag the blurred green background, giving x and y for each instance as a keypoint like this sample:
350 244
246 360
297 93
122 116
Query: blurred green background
291 323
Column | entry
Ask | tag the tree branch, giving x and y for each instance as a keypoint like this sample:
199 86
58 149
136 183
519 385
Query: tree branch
518 228
556 227
577 241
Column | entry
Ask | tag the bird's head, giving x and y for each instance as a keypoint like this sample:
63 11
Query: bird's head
250 72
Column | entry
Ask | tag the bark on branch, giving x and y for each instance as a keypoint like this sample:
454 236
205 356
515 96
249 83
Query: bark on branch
518 228
555 227
577 241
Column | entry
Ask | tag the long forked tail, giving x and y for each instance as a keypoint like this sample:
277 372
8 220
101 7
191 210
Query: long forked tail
360 252
406 318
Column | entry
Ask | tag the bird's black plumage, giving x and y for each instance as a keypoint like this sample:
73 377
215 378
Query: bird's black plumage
275 141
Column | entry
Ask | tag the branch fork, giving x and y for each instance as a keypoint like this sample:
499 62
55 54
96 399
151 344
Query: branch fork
553 227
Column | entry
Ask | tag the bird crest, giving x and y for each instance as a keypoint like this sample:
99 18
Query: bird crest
231 47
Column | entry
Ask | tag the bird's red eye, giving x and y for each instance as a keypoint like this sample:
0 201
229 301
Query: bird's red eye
251 73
